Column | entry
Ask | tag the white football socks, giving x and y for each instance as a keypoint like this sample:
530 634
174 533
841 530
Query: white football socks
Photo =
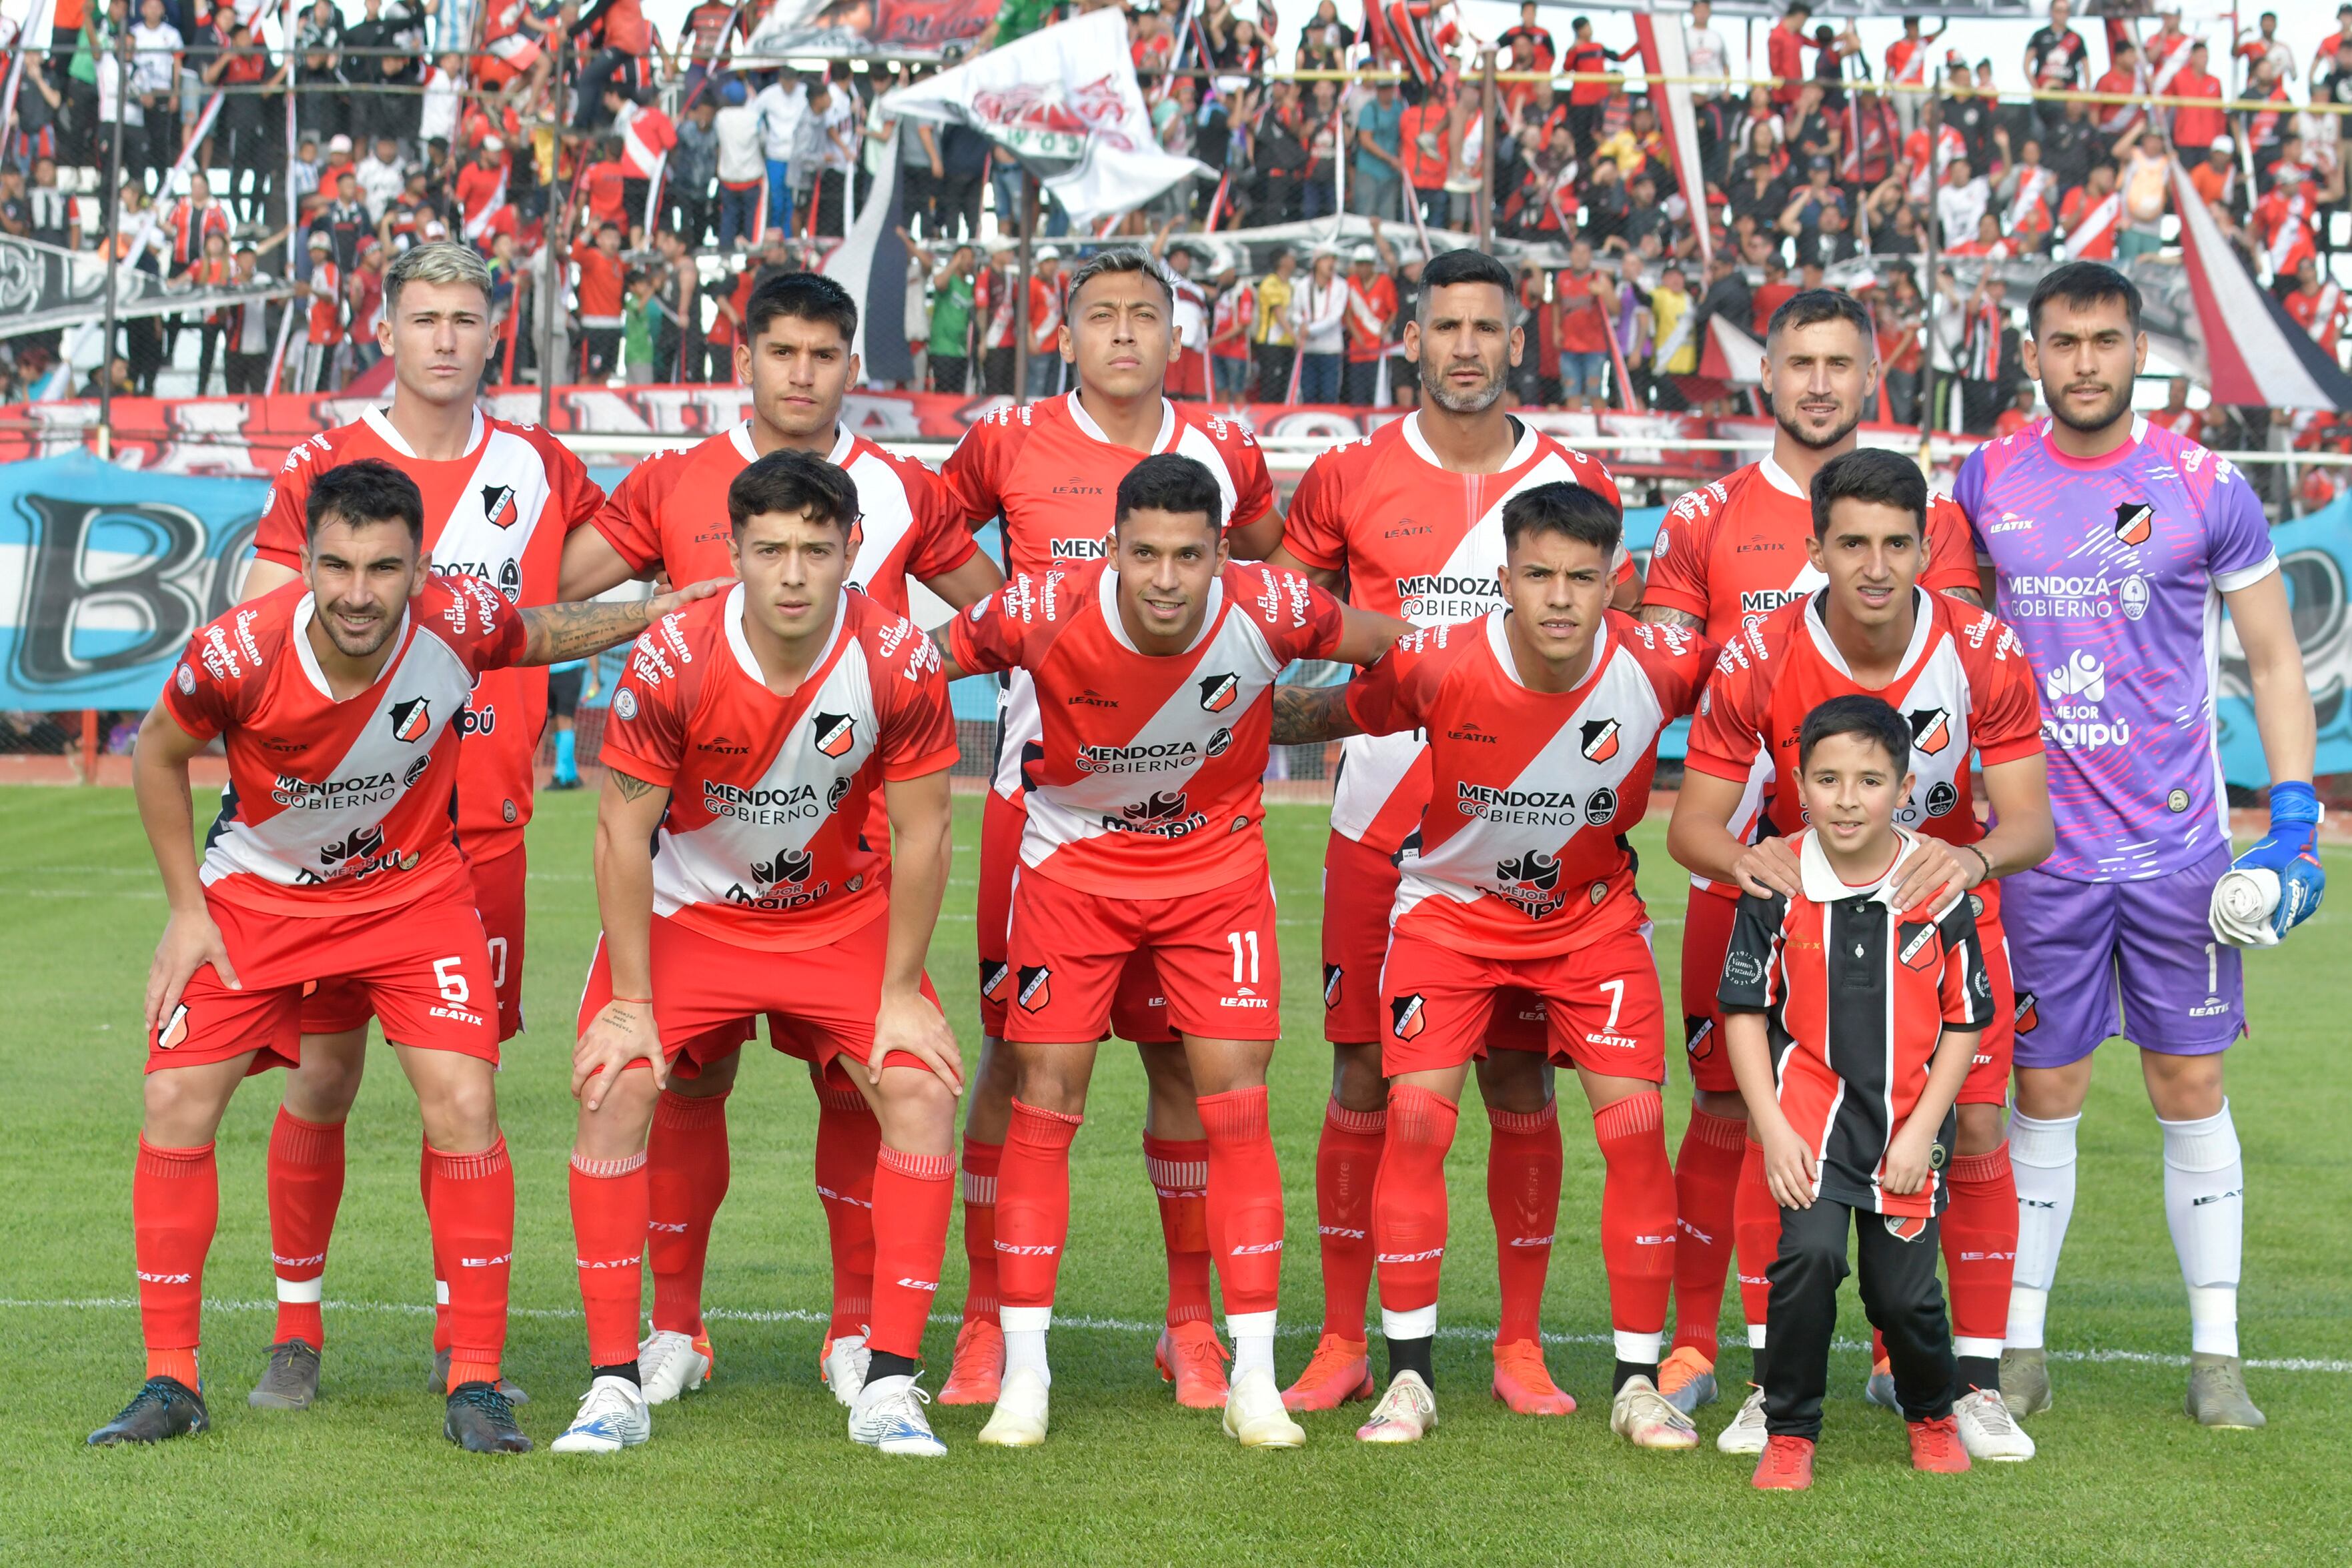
1253 1337
1024 1340
2041 1157
2204 1204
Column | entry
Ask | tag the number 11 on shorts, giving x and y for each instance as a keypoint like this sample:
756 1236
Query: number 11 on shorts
1245 947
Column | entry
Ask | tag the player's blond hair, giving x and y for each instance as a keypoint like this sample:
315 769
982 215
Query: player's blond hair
440 261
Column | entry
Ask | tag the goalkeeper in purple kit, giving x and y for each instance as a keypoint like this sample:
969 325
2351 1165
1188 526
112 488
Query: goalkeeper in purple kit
2114 546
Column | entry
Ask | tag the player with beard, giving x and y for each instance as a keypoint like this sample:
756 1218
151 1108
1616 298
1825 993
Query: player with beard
2115 544
1409 521
500 501
1542 722
1143 841
336 699
1049 471
1730 553
669 515
1960 678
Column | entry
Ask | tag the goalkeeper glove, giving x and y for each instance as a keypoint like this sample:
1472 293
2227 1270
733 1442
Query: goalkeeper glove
2289 849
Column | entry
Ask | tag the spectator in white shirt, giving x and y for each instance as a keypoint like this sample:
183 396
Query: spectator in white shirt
742 166
1961 201
781 105
1705 48
1319 314
155 47
382 177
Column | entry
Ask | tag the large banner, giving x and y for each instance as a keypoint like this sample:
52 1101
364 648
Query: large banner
2316 555
899 28
43 287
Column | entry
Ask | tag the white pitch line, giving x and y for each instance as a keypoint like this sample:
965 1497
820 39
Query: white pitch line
1105 1325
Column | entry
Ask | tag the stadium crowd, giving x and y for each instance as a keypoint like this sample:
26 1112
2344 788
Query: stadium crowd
675 181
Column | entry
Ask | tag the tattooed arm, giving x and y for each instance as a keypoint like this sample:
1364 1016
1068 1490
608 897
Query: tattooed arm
555 632
1659 615
954 670
1303 716
623 1031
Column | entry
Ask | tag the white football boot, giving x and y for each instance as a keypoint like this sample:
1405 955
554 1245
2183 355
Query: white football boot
888 1419
1406 1413
1019 1420
1746 1433
612 1416
844 1367
670 1364
1988 1430
1255 1417
1643 1418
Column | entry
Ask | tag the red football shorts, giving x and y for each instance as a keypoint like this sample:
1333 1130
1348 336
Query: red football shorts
422 969
1213 952
1987 1080
1358 894
499 882
1707 937
1602 1009
1138 1009
820 1001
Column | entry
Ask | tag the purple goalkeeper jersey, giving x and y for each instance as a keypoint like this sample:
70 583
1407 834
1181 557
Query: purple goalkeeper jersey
2111 571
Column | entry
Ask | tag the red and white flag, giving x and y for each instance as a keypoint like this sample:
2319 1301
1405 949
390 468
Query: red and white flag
2093 233
2255 353
1663 55
1730 354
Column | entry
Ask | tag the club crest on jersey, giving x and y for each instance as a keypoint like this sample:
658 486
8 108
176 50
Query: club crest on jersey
1332 975
789 866
1931 729
410 719
1217 692
2135 521
993 976
498 505
1917 947
1036 986
1407 1018
1599 739
2029 1015
836 733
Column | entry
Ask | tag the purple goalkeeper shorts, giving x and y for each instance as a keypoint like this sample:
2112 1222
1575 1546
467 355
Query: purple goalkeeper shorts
2094 959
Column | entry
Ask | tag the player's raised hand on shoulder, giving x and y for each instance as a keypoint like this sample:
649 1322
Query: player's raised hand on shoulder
1768 867
677 599
190 942
908 1022
1934 875
623 1031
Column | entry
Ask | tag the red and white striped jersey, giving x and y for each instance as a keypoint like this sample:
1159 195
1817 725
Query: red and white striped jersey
1426 544
1044 314
1144 775
1856 995
501 513
337 806
669 514
1963 684
646 136
1053 477
766 841
1523 852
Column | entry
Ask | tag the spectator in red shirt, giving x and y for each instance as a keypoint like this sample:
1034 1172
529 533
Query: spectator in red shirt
2195 128
1785 53
1588 102
602 284
605 185
623 37
1578 326
1775 291
1533 35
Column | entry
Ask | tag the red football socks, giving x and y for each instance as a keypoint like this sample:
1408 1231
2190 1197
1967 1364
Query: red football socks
981 1162
913 1196
306 1187
440 1271
610 1200
687 1172
1757 1223
1409 1199
473 1232
1347 1165
1523 1165
1244 1199
848 1139
1979 1237
1032 1205
1179 1168
1707 1182
1637 1212
175 1210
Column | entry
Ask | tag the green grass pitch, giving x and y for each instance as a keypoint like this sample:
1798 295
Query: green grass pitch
757 1469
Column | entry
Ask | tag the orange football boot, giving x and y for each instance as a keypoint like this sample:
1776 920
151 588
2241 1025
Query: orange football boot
1190 1356
1524 1382
1936 1446
1340 1374
1786 1465
978 1374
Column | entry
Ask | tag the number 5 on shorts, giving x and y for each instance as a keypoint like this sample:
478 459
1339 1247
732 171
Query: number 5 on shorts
450 978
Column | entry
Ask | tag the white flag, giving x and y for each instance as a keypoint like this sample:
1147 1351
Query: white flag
1063 101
